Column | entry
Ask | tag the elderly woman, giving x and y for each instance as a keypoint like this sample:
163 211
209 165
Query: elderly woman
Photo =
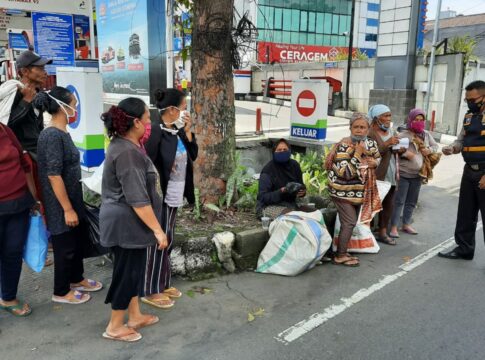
381 132
280 183
352 183
415 167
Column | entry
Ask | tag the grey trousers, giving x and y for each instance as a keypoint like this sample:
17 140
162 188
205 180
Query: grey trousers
348 214
405 200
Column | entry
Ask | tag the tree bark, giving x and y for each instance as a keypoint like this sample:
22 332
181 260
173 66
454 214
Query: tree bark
213 96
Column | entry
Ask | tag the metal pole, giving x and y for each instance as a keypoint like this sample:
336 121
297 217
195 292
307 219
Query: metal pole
92 43
169 41
431 61
349 56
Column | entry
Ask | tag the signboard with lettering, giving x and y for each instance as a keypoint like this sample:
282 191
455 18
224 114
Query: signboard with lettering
309 104
54 39
61 6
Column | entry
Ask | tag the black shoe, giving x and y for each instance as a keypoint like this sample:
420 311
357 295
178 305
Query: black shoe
455 254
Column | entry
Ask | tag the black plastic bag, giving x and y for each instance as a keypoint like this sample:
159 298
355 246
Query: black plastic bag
93 247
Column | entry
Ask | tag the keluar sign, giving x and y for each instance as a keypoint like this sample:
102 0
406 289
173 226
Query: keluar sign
309 106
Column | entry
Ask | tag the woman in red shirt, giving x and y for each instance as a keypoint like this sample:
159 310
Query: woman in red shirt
17 198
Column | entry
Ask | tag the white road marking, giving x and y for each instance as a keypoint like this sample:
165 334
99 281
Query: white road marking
303 327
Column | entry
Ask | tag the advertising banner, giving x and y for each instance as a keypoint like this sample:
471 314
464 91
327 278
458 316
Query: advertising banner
123 47
17 40
293 53
61 6
54 39
309 106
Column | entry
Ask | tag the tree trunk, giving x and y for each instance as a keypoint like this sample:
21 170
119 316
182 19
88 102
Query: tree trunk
213 96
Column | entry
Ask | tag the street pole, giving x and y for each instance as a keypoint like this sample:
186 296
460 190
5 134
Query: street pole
431 61
92 43
349 56
169 6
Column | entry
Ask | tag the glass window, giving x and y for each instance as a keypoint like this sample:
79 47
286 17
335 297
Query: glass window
295 20
342 41
319 40
303 21
278 18
334 40
370 37
311 22
343 26
303 39
327 24
278 36
326 40
261 17
286 37
311 39
373 7
319 24
287 20
373 22
335 20
295 37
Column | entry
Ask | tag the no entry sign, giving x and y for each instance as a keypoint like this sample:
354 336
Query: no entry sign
309 106
306 103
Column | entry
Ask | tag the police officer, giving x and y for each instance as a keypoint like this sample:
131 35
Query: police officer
471 143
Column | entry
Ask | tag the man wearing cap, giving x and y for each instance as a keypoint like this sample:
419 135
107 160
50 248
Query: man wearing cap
26 121
471 143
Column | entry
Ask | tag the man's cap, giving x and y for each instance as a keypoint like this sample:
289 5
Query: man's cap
30 58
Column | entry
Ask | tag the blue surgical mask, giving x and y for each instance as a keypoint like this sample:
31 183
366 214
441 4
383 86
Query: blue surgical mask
382 126
282 157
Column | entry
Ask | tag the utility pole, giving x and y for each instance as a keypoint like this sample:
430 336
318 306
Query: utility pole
349 56
431 61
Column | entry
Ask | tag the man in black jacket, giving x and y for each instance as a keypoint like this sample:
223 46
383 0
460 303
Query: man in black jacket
26 121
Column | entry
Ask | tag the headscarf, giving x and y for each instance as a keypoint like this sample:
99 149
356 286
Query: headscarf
377 110
412 115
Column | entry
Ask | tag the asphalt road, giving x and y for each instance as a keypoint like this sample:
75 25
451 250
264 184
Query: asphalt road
435 309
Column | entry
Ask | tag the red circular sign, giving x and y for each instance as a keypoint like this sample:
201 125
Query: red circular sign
306 103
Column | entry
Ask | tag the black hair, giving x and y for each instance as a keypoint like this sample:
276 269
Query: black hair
275 145
476 85
118 120
43 102
168 97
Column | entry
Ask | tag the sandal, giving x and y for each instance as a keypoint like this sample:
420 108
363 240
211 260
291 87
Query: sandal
386 240
132 336
348 261
79 298
162 303
409 230
173 293
93 286
394 235
17 309
151 321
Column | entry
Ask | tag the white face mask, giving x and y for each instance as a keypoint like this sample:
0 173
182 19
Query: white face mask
70 118
179 123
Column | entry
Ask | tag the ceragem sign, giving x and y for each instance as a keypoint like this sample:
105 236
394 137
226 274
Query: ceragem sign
290 53
309 105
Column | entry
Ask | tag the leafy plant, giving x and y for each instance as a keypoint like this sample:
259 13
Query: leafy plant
314 175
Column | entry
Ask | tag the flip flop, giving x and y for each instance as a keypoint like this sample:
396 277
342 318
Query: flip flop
394 236
20 307
79 298
135 336
157 303
152 321
349 262
410 232
173 293
386 240
93 286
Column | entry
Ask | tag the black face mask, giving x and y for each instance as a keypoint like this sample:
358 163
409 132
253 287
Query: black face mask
474 106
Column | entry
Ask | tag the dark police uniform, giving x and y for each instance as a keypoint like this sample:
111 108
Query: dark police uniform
472 198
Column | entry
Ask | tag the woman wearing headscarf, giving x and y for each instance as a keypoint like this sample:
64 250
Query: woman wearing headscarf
415 168
381 132
352 184
280 183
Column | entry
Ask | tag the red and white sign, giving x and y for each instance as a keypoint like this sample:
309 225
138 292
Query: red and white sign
269 52
306 103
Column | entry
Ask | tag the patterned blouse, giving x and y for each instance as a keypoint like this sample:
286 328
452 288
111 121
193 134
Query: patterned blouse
345 178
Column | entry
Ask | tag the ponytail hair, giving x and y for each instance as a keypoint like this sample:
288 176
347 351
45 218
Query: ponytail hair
118 120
